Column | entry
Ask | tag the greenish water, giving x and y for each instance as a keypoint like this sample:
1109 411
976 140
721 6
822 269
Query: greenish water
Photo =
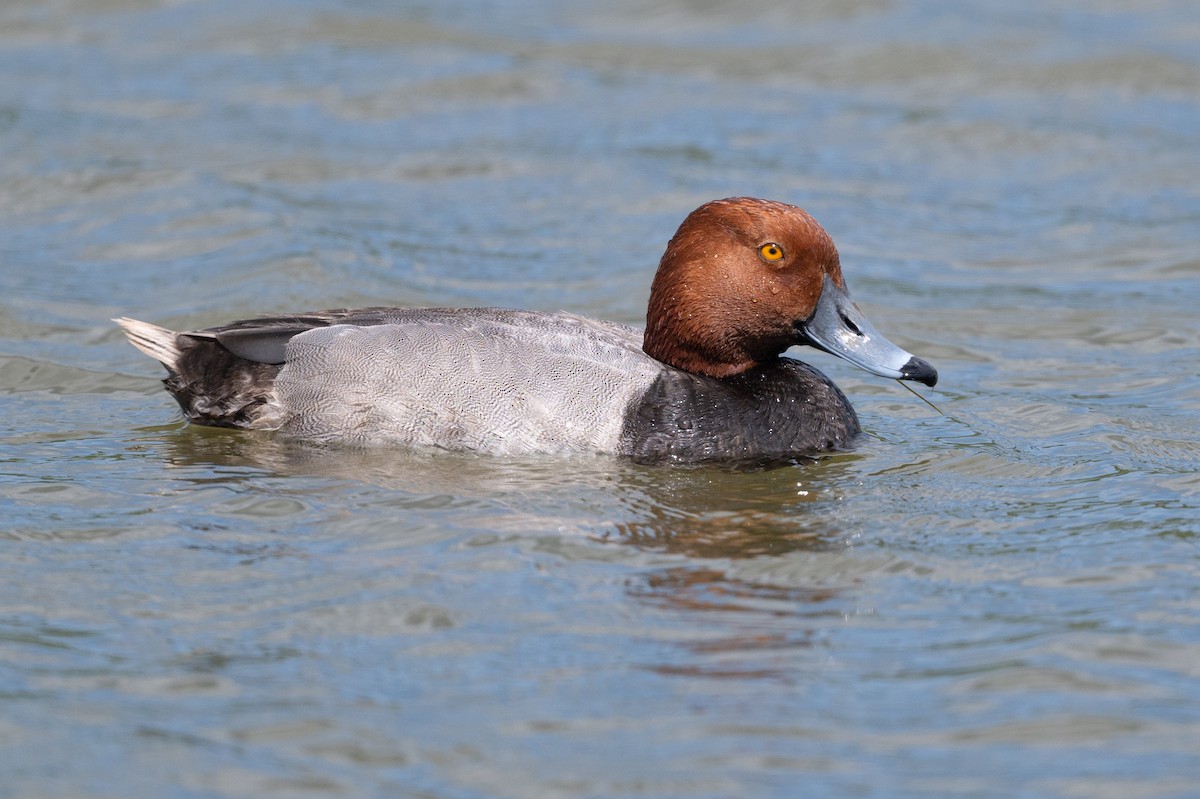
999 601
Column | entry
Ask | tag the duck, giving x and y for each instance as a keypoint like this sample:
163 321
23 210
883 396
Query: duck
742 280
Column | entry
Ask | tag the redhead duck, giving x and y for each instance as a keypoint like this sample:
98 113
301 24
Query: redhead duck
741 281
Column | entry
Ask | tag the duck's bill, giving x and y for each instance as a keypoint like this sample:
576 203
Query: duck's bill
840 328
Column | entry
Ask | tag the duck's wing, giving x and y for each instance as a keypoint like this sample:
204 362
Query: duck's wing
264 339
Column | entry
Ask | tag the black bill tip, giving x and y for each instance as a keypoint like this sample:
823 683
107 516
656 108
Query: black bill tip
919 371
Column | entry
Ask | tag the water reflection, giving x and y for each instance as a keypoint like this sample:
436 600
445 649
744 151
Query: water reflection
706 512
756 631
761 624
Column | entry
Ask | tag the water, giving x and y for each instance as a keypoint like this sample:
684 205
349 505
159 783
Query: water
998 601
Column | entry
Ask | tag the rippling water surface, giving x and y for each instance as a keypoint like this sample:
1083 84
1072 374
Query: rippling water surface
999 600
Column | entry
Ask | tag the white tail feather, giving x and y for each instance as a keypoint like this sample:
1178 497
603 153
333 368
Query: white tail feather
157 342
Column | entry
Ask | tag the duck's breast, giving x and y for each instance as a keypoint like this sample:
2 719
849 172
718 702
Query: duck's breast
772 413
490 380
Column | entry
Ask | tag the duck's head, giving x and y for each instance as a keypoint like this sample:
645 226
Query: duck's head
744 279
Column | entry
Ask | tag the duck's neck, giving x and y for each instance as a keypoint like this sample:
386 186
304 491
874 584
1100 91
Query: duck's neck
691 334
713 360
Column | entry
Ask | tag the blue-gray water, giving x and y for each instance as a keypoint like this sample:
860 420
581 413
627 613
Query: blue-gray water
1001 601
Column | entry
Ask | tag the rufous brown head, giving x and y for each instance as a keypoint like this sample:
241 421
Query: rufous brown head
743 279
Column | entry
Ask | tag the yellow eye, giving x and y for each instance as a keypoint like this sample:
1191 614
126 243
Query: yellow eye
771 252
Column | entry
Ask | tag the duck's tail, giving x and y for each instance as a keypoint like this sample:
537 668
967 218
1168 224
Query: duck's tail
159 343
212 385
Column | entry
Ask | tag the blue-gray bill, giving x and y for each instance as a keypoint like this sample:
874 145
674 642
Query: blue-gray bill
838 327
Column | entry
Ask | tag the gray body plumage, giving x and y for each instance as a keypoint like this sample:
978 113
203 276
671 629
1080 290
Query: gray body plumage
496 381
